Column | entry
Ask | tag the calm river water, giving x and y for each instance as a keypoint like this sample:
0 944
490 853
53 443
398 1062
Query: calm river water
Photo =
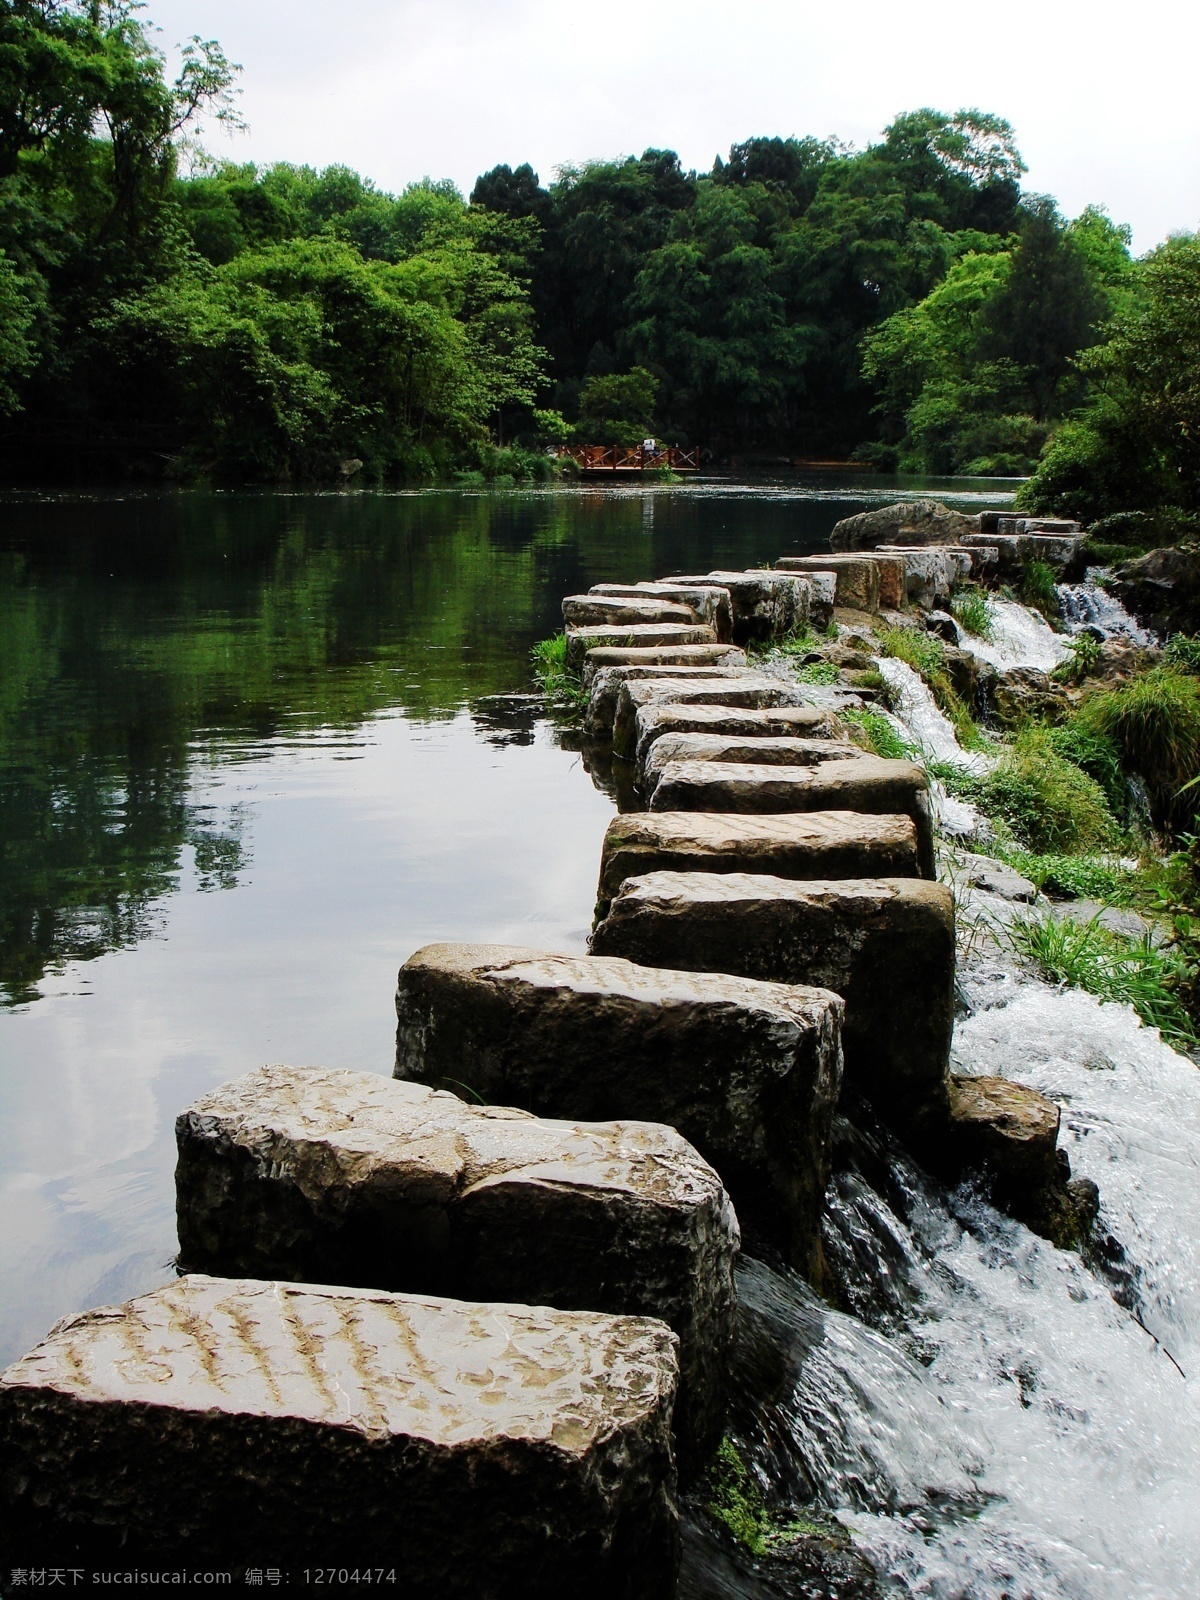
251 757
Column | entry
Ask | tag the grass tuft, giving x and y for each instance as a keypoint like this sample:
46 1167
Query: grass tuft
1083 955
1183 652
1084 877
1040 590
559 685
881 737
1049 805
1085 653
1154 721
973 611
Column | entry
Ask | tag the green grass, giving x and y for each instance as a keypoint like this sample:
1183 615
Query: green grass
1154 721
825 672
1085 877
881 736
973 611
559 685
1045 801
1040 590
1083 955
1183 652
1085 653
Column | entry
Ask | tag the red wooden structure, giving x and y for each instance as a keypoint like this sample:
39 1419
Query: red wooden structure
609 459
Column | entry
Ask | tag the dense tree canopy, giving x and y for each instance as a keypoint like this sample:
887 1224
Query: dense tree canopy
905 302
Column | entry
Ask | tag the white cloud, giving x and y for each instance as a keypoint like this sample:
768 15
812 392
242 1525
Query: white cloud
1101 96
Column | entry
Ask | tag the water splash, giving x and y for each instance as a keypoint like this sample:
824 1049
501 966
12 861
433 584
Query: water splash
998 1420
1087 605
1021 637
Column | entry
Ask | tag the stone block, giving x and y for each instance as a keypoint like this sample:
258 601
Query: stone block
474 1449
593 610
865 582
765 750
685 655
1006 1129
885 945
751 691
319 1175
1013 551
748 1072
805 844
604 689
766 604
708 602
656 722
643 635
862 783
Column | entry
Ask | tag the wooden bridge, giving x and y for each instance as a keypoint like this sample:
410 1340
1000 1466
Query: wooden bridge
614 460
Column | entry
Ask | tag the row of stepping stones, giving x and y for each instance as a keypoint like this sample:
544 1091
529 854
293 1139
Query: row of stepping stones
535 1223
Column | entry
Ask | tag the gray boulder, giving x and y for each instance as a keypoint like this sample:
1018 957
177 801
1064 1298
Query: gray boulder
317 1175
886 946
906 522
1162 589
476 1450
862 783
748 1072
812 844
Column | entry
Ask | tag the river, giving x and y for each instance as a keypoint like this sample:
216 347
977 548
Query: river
256 749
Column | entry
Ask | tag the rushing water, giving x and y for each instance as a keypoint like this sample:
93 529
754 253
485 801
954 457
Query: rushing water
255 750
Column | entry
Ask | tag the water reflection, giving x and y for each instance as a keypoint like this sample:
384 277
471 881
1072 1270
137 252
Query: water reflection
254 750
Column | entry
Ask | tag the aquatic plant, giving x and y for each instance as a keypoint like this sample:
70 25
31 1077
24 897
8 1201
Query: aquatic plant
735 1499
557 682
1113 966
1039 590
973 611
1154 720
880 735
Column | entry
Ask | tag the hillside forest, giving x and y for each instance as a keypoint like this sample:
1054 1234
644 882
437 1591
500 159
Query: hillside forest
166 314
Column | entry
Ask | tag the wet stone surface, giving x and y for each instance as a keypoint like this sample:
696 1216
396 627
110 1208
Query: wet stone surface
322 1175
748 1072
482 1450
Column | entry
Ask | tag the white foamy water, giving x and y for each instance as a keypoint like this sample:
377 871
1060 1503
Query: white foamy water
1020 638
1087 605
1078 1433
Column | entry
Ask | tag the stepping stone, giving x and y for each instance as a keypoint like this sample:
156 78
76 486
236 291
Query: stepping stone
748 1072
654 636
778 750
686 655
866 581
1009 1130
319 1175
1013 551
863 783
656 722
708 602
473 1449
605 687
806 844
885 945
931 572
592 610
753 691
766 604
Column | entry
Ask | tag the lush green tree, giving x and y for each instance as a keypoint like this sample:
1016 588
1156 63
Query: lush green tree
617 408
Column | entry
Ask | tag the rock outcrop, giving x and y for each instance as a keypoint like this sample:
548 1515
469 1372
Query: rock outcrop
314 1175
804 845
748 1072
474 1449
1162 589
906 522
886 946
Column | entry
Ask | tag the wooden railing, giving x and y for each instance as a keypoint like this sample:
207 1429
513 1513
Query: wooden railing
631 458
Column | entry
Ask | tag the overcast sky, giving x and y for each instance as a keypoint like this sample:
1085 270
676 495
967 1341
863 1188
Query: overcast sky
1104 97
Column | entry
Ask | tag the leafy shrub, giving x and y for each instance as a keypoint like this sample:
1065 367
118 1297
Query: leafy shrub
1047 802
823 672
1151 978
1085 653
973 611
1145 530
1154 720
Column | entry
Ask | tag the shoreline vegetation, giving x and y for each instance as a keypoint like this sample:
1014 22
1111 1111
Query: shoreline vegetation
165 315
